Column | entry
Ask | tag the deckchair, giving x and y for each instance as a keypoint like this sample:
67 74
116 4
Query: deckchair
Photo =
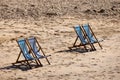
90 34
36 48
83 39
26 54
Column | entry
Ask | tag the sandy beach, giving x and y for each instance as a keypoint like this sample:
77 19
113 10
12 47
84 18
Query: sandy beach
55 35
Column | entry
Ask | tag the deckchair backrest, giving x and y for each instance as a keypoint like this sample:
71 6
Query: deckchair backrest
80 34
23 46
87 29
33 45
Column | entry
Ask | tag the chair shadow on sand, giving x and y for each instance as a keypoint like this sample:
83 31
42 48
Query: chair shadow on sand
79 50
20 67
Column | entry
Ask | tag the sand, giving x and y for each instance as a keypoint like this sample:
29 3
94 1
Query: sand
55 35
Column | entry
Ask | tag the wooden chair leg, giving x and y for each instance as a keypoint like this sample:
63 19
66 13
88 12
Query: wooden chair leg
75 41
18 56
27 62
40 48
85 48
100 45
48 61
74 44
93 47
46 57
95 36
39 62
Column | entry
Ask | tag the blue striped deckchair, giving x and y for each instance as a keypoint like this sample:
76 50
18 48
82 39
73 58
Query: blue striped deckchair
82 38
23 47
26 53
90 34
36 48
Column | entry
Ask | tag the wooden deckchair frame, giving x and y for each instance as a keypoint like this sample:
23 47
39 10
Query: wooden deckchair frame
93 36
88 40
26 60
39 49
74 44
